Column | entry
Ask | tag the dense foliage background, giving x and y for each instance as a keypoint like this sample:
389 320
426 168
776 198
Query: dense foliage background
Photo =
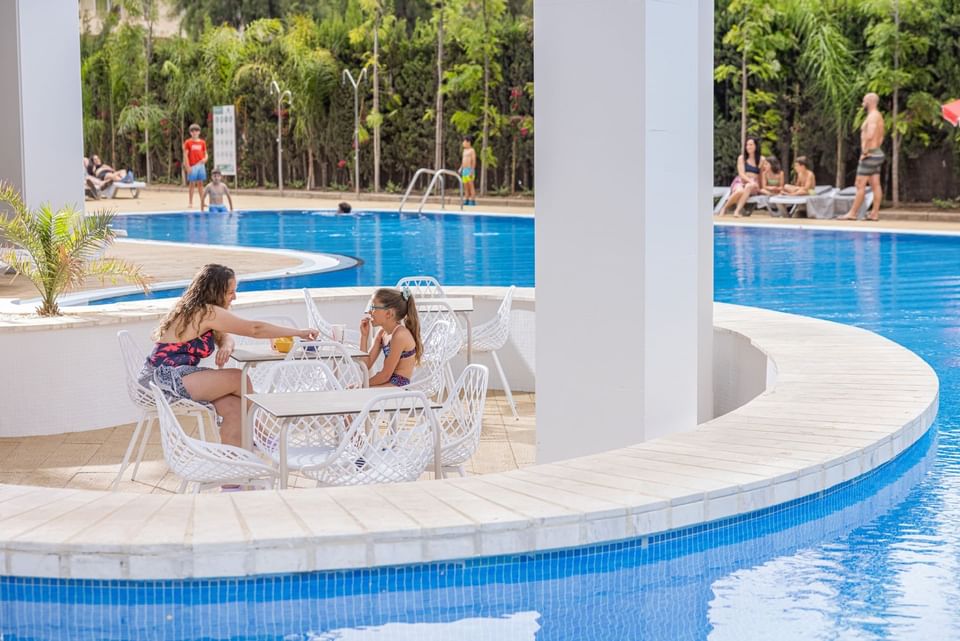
231 50
789 71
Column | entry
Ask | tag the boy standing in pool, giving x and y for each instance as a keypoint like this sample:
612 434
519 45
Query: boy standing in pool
216 190
468 170
195 161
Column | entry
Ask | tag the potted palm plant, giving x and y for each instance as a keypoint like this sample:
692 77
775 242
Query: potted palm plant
58 250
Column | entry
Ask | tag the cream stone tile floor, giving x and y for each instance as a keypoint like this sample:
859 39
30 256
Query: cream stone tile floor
90 460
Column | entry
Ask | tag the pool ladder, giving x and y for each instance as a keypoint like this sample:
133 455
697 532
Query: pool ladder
437 174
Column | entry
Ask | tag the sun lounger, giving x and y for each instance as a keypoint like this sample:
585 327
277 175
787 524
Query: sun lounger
780 204
843 200
134 188
723 193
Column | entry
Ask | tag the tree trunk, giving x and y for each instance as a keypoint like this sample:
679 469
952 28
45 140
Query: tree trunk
438 136
146 99
513 166
743 99
486 100
895 165
839 176
310 175
376 102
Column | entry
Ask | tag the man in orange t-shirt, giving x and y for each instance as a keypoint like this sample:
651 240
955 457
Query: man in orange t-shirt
195 161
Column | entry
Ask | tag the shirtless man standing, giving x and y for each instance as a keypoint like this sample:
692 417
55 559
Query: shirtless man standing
871 159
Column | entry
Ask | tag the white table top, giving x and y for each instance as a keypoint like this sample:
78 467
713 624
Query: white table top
291 404
263 353
458 304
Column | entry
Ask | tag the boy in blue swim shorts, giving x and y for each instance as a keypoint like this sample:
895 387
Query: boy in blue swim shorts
195 161
216 191
468 170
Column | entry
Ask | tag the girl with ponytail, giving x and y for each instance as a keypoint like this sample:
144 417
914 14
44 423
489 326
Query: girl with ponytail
395 313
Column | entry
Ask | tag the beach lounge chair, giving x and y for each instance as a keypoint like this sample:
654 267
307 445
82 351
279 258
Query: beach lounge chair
843 200
787 206
723 194
133 187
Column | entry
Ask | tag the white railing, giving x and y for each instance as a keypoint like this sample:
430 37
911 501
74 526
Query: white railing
436 173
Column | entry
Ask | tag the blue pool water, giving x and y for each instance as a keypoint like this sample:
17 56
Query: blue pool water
456 249
875 559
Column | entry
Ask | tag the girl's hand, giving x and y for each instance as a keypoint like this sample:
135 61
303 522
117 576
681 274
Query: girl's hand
308 334
365 325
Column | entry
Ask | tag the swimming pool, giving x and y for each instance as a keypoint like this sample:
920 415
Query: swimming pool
874 559
457 249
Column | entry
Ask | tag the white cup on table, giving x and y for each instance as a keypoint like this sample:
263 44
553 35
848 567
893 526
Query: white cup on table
337 332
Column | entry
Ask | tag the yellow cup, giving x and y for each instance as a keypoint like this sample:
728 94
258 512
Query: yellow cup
283 344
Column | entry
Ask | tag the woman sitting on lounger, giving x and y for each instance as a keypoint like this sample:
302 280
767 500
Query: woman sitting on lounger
806 182
772 178
747 182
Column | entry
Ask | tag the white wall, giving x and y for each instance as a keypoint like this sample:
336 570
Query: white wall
70 379
41 115
741 371
624 258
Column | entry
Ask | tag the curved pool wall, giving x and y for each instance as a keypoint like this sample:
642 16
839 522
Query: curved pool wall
657 589
88 335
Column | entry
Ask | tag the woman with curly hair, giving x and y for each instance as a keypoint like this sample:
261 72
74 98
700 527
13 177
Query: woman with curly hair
199 324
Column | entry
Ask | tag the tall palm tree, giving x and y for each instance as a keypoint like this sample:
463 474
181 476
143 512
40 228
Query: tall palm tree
826 58
60 249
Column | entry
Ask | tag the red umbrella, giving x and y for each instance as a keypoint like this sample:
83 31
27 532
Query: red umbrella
951 112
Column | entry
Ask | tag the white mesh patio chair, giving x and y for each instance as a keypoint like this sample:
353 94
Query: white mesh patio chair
142 397
461 419
421 286
310 439
258 374
432 312
493 335
351 373
390 441
316 320
440 343
204 464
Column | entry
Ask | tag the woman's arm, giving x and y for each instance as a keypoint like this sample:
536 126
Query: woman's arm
223 320
741 171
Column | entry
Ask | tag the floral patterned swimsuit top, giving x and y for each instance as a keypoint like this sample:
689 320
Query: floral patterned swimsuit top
183 353
398 380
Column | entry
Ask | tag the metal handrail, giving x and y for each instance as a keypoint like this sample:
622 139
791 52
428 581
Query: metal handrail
433 181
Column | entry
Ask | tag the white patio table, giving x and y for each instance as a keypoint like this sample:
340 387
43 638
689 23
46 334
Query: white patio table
331 403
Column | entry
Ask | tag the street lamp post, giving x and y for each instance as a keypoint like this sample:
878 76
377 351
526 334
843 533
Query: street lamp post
281 95
356 123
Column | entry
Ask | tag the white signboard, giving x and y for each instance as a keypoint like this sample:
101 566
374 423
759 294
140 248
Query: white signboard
225 140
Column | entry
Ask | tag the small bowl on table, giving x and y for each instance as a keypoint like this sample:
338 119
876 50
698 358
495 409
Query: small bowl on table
283 344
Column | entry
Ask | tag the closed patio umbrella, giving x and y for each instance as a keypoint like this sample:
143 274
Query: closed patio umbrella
951 112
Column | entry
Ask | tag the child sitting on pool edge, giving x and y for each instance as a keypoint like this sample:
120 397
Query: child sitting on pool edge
395 313
217 189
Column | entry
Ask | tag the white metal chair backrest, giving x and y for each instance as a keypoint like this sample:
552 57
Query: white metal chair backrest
133 360
316 320
429 376
461 418
305 431
200 462
430 311
345 368
284 321
390 441
422 286
493 334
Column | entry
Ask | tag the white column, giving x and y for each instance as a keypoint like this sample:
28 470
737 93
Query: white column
41 113
624 232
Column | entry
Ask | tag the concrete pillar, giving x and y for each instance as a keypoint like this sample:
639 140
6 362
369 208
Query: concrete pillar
41 110
624 233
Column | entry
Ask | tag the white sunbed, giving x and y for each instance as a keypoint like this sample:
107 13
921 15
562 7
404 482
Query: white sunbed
781 203
134 188
723 193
